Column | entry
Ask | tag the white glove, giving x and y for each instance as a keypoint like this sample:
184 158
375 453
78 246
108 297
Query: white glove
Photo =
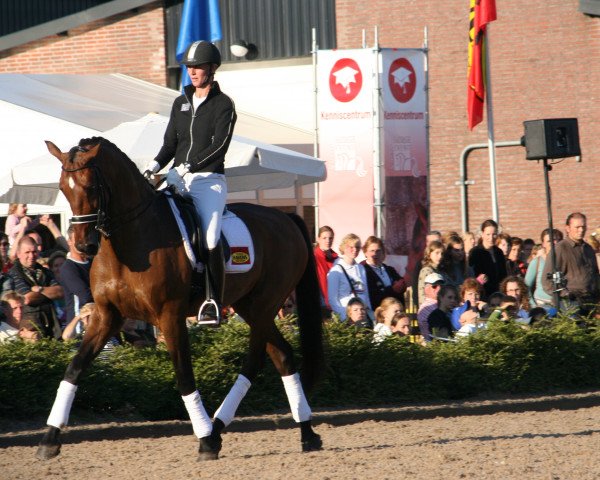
182 169
176 180
151 168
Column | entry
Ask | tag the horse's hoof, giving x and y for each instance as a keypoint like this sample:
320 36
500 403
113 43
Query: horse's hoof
312 444
46 452
209 448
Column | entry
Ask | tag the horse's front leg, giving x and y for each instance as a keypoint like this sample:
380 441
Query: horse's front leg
177 341
100 329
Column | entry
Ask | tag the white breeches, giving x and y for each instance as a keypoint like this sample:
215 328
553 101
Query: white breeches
209 193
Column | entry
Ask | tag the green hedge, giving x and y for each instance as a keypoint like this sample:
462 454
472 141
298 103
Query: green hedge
504 358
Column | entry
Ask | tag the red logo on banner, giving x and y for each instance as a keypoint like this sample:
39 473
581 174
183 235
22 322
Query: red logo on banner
402 80
345 80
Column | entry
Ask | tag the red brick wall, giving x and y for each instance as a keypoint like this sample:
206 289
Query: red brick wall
544 65
129 43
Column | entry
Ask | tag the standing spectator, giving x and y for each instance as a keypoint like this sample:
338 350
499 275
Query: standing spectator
514 264
454 265
503 243
383 318
75 279
431 263
594 241
535 270
432 236
324 258
470 294
577 261
38 286
347 278
382 280
526 250
433 283
401 324
469 242
487 260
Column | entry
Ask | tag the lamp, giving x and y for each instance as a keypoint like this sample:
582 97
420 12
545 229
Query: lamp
239 48
243 49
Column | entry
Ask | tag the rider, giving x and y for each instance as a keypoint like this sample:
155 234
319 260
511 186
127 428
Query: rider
198 136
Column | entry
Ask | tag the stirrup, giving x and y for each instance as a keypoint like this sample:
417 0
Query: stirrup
217 320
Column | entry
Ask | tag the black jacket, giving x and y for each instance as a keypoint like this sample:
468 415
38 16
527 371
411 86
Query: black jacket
211 127
376 288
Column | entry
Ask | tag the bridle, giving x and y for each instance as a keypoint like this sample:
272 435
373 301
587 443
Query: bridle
103 222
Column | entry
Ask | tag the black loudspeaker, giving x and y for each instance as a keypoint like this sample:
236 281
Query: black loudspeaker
551 138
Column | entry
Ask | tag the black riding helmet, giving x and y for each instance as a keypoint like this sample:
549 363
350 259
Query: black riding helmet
201 52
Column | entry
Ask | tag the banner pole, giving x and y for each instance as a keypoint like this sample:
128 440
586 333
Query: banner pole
490 129
316 127
377 127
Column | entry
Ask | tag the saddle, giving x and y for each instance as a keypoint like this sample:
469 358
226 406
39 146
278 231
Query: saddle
193 227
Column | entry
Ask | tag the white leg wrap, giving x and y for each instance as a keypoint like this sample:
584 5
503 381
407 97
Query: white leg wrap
59 415
298 404
200 419
226 412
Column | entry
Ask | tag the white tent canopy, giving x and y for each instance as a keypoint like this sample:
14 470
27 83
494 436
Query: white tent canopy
66 108
249 165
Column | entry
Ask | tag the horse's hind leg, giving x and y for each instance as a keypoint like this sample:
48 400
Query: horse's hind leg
94 340
282 355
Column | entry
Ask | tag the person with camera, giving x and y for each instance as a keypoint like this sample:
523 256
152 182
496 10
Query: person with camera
577 268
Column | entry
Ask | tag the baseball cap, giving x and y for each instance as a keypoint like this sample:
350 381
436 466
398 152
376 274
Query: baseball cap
434 278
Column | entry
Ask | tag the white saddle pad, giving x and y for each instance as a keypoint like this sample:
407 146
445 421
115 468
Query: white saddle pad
238 237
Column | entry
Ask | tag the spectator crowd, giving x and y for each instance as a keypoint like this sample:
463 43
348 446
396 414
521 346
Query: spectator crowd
462 281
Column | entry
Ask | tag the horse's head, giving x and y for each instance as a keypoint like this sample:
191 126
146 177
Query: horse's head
80 183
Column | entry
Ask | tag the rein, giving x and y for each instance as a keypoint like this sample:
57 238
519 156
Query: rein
104 224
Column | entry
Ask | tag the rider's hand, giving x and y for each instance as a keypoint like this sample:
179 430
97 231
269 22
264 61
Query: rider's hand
151 168
182 169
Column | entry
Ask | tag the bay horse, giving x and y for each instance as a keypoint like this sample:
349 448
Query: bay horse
140 270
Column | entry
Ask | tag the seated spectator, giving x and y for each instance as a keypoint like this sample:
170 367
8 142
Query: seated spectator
514 286
470 296
533 276
432 258
347 278
5 261
507 310
138 333
77 326
495 300
470 323
433 283
383 317
487 260
356 313
288 308
454 264
324 259
401 324
439 319
11 312
382 280
38 286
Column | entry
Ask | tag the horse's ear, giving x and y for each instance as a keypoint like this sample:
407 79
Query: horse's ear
54 150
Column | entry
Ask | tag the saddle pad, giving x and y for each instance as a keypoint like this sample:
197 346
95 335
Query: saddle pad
237 234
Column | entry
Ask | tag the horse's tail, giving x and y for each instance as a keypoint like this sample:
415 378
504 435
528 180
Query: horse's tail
308 300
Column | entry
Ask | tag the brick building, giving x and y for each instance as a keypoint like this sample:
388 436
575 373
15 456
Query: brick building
544 65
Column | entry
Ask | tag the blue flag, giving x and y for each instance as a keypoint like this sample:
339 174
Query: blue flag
200 20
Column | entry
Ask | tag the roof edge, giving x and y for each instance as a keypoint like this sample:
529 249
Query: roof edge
70 21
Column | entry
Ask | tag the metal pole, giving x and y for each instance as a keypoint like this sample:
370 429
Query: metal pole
463 182
377 97
490 124
556 276
428 173
316 117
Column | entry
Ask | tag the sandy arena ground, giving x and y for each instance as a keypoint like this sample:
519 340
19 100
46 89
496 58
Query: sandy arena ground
546 438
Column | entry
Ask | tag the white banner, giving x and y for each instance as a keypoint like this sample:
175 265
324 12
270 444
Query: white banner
345 113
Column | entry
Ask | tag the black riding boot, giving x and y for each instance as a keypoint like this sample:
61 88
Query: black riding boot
210 311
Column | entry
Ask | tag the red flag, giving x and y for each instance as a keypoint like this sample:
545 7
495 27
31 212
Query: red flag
481 13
